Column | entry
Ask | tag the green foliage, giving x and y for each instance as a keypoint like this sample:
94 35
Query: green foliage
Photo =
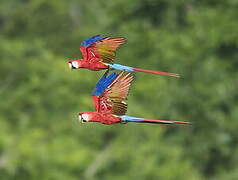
40 137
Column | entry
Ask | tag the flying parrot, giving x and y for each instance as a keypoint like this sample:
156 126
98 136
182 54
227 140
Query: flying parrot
109 98
99 53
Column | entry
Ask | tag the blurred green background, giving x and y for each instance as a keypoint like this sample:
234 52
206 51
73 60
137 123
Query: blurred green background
40 137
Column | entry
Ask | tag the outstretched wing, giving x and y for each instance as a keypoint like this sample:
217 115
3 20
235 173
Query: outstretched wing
111 92
103 48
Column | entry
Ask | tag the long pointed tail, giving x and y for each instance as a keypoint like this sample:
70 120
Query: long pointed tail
156 72
131 69
142 120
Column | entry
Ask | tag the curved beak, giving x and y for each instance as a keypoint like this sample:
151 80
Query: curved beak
73 65
81 118
70 65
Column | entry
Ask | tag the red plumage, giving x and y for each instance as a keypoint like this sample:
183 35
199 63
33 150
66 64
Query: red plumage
109 99
99 53
99 117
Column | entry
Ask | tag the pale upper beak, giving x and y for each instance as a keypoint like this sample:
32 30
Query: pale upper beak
81 119
70 65
73 65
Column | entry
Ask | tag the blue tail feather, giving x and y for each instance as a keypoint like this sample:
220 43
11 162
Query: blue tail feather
121 67
126 119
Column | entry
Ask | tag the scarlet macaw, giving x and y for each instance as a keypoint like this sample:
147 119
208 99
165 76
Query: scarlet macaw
109 100
99 53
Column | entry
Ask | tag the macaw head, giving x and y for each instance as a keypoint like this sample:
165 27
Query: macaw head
75 64
83 117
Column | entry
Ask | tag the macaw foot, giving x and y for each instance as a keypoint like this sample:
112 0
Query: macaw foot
106 72
123 121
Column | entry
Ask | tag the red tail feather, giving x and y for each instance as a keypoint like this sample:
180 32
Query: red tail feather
166 122
158 121
157 72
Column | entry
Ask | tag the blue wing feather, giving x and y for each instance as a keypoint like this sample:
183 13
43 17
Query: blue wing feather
92 40
103 83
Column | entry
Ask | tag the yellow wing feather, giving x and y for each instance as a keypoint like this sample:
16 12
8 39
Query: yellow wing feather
117 92
106 48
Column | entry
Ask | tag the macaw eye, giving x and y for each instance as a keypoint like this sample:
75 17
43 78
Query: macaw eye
80 117
75 64
85 117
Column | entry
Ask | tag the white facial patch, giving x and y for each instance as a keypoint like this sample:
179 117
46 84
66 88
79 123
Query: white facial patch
75 64
85 117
